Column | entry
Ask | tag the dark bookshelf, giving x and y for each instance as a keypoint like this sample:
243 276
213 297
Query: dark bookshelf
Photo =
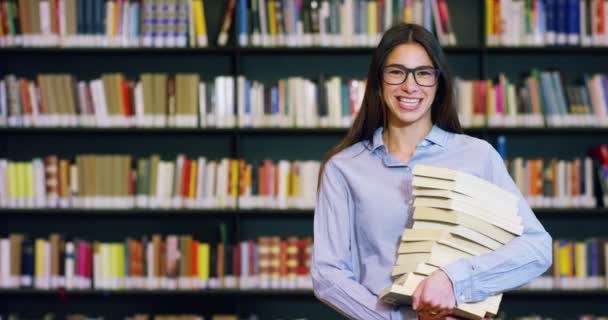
470 59
520 293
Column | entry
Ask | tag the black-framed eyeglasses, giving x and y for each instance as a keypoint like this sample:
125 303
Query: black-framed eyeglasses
424 76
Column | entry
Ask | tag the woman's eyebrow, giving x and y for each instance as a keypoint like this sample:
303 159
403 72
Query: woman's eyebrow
404 67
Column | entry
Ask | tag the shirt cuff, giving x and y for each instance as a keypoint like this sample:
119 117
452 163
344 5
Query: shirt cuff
460 273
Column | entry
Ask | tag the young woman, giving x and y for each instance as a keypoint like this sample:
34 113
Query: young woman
365 192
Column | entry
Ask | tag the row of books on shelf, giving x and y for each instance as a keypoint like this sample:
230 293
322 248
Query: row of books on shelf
272 23
103 23
546 22
120 181
181 23
576 265
542 100
157 100
184 100
173 262
555 183
140 316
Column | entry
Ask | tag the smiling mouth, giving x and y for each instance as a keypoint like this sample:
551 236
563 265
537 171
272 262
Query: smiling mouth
409 102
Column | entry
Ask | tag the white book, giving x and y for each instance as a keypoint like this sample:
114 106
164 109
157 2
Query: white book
5 262
3 104
39 183
201 167
202 104
240 114
69 265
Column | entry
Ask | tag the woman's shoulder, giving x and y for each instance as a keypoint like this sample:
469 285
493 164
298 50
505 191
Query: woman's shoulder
348 153
460 140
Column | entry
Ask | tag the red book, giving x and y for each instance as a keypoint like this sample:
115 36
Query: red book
236 260
128 110
186 171
251 257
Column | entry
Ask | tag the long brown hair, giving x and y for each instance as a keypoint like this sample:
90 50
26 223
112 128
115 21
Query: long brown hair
372 113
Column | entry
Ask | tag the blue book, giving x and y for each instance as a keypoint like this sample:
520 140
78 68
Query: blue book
247 98
550 21
274 101
135 20
89 21
243 23
345 100
100 14
27 263
501 146
573 14
561 21
80 17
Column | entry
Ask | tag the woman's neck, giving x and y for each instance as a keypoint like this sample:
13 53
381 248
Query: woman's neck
403 140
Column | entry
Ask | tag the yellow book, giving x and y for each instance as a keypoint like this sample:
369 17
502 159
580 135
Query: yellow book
203 261
1 30
21 184
490 22
40 259
120 263
234 178
565 259
193 177
295 179
12 180
199 22
580 261
272 19
29 180
407 12
372 18
490 98
115 18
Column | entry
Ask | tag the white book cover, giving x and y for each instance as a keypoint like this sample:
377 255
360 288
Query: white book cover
241 115
202 104
210 181
3 104
230 103
39 183
5 262
140 117
201 166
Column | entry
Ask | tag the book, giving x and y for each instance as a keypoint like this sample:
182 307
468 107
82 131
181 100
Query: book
462 182
463 219
444 237
455 217
402 290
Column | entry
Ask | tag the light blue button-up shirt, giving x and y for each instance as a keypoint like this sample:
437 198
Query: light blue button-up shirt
364 204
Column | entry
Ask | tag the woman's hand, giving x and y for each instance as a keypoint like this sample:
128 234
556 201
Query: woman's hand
434 297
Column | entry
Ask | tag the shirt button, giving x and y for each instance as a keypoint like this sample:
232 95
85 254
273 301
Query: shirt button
410 202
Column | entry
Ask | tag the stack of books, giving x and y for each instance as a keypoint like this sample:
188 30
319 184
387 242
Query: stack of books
457 215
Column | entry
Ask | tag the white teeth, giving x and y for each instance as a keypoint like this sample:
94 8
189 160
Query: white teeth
409 101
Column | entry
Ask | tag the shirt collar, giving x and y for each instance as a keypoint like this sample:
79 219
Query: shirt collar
437 136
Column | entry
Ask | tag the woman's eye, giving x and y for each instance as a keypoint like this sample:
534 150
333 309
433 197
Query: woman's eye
396 72
425 73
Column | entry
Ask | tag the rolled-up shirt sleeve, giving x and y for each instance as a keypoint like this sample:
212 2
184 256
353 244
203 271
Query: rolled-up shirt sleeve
510 266
334 280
